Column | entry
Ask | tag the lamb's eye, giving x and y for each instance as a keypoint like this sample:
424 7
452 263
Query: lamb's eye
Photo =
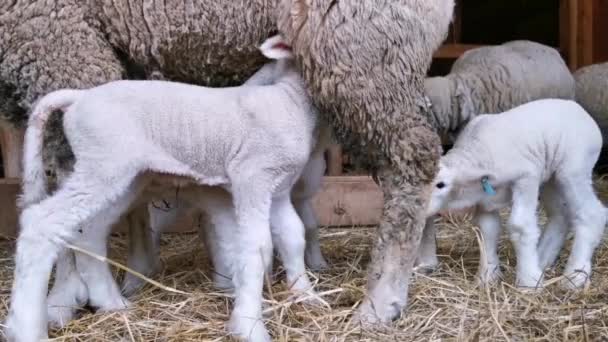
440 185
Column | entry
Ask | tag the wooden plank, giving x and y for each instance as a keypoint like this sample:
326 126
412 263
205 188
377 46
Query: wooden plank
9 189
11 143
343 201
453 51
334 160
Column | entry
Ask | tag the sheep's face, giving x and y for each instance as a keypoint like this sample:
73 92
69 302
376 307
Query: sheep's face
454 190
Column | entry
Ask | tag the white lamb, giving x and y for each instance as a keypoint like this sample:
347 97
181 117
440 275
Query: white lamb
217 213
147 221
71 291
548 146
252 141
144 237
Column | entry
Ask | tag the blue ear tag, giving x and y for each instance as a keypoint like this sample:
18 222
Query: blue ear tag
487 187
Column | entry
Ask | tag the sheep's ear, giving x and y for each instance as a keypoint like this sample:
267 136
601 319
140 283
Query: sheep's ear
276 47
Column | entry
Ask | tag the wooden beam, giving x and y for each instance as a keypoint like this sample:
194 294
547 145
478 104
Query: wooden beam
565 32
600 31
585 32
11 144
344 201
453 51
335 162
573 34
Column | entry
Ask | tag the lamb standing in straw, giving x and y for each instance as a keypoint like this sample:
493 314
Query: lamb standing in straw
511 157
127 135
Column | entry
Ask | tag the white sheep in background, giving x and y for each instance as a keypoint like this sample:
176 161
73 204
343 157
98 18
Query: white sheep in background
497 160
493 79
490 80
126 135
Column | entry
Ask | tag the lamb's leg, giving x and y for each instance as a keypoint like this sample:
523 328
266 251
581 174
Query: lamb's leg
524 233
254 245
489 264
146 224
217 230
69 292
588 217
313 255
554 235
288 236
427 252
46 227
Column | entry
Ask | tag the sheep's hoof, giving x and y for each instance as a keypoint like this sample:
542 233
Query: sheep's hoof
248 329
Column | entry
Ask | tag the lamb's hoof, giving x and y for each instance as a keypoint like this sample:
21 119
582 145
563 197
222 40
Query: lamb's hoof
316 263
59 316
223 283
64 301
575 280
248 329
309 298
117 304
488 277
131 284
530 284
19 330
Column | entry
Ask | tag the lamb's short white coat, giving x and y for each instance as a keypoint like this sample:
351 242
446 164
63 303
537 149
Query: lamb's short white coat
252 141
546 146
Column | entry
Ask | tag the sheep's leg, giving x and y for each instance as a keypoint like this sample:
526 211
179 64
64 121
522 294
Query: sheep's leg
489 263
46 227
427 252
554 235
588 217
312 255
288 235
524 233
146 224
254 245
69 292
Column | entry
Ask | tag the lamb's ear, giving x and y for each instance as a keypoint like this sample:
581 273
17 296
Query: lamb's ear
276 47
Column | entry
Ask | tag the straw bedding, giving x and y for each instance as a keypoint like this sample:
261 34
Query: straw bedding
444 306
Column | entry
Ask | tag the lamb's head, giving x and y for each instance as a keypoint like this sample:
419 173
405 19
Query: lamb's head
456 187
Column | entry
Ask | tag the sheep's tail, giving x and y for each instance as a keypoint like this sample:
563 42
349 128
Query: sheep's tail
33 186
